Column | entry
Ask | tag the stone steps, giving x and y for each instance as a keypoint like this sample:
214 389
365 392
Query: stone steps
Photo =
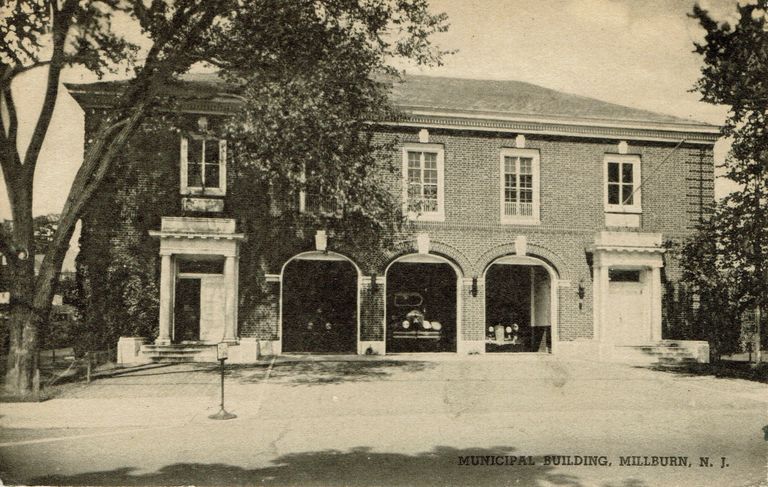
179 353
661 353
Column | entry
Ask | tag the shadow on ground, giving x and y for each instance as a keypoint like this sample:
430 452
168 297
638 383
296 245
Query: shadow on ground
720 370
358 466
325 372
289 372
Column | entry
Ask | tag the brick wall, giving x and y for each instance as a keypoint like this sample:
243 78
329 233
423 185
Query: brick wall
472 236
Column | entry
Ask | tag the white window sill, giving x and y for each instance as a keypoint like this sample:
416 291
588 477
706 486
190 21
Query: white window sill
426 217
520 221
623 209
191 191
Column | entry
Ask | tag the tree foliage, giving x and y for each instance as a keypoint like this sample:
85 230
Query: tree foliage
53 34
314 61
725 262
311 79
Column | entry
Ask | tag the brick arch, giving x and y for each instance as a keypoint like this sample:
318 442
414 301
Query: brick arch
403 247
452 253
435 247
533 250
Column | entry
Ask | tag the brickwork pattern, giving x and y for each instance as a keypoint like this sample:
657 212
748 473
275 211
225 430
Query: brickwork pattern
372 313
677 185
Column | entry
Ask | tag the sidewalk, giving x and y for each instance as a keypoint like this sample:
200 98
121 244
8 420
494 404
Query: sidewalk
399 421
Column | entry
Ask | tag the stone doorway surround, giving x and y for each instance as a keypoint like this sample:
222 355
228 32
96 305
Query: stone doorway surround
633 251
205 237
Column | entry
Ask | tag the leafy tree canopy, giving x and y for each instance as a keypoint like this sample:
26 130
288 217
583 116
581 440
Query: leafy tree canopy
726 260
307 68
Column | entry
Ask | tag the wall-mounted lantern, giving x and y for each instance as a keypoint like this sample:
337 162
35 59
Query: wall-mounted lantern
581 292
473 291
374 284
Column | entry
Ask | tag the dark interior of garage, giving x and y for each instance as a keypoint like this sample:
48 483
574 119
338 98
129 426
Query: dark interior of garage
420 295
517 297
319 307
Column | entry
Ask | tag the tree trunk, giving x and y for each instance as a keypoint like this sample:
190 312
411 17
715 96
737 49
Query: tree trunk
24 324
22 355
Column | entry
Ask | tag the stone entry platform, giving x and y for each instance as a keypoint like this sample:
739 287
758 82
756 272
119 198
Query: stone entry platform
192 352
669 352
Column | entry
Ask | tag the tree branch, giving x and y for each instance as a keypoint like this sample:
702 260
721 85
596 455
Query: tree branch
13 118
96 165
9 153
60 27
19 69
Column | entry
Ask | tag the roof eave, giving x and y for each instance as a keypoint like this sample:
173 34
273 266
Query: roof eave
553 125
425 117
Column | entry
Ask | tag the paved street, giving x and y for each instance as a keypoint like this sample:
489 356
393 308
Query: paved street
400 421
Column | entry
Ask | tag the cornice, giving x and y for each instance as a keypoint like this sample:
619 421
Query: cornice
484 121
569 127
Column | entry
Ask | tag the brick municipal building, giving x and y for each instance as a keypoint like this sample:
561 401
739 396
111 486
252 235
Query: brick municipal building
537 225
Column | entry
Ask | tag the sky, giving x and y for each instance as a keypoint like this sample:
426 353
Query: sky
637 53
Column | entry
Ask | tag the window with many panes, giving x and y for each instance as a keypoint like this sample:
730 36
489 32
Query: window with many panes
622 180
423 190
313 200
519 185
203 165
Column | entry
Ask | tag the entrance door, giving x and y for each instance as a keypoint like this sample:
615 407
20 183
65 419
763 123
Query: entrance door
627 310
186 325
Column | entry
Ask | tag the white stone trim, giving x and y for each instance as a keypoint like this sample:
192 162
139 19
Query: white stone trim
628 220
378 347
693 133
630 251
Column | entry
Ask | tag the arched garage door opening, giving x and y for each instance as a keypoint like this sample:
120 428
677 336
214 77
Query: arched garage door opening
421 306
319 305
519 296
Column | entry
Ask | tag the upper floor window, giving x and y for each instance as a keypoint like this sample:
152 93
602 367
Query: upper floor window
519 186
203 165
423 182
622 183
312 200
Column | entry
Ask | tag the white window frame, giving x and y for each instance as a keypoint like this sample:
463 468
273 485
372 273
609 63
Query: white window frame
431 216
221 190
636 206
322 208
533 154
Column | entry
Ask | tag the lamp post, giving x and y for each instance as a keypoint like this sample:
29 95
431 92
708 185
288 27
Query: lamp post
222 352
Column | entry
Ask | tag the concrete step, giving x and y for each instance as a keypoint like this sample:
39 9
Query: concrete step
182 352
662 353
